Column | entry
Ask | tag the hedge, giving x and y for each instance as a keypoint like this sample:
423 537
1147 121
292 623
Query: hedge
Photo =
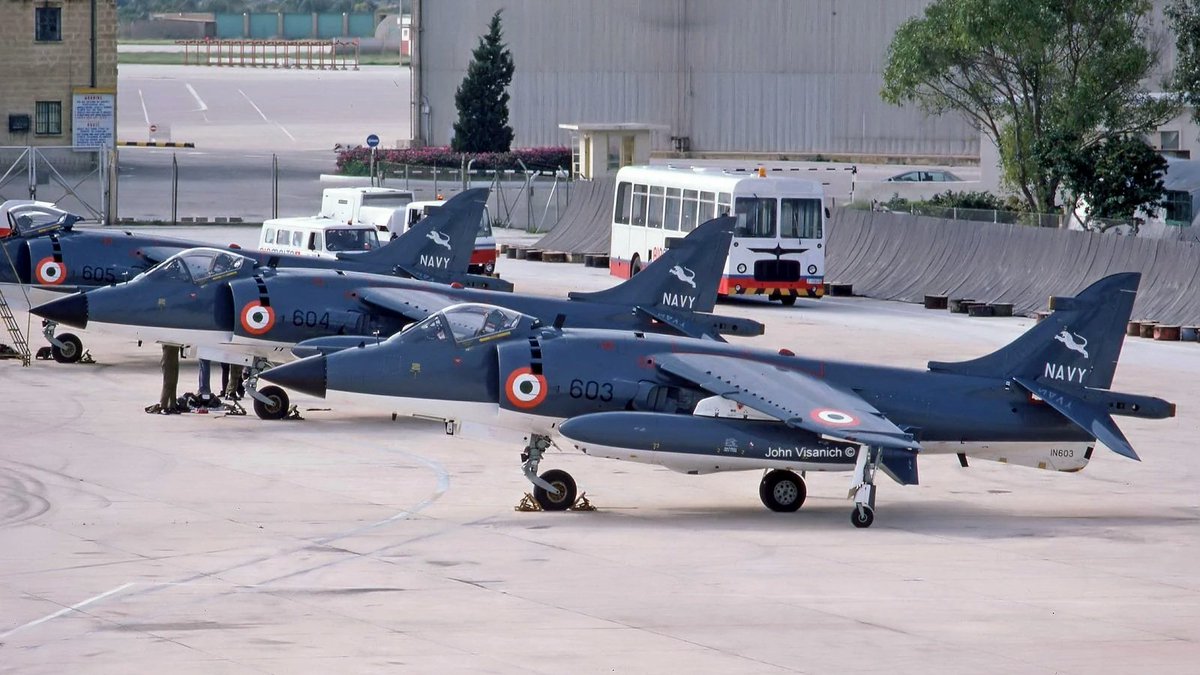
357 161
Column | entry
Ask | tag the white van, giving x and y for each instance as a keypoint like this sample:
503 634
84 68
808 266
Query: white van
315 237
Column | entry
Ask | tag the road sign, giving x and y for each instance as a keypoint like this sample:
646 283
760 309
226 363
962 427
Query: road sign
372 141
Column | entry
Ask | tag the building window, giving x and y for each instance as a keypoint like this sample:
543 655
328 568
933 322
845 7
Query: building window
1168 140
48 24
1178 207
48 118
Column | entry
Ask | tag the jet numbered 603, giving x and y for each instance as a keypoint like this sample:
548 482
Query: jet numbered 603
525 389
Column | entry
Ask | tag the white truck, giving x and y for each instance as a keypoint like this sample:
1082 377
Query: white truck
350 219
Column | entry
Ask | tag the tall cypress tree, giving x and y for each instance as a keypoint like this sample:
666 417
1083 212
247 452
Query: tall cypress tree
482 98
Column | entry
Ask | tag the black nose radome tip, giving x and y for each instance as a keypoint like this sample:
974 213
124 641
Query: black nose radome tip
71 310
306 376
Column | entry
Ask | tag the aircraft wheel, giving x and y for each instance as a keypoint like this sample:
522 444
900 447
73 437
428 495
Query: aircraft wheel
862 516
70 352
782 491
277 409
635 266
788 300
566 491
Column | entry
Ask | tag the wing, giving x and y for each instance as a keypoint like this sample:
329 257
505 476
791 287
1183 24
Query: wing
799 400
414 305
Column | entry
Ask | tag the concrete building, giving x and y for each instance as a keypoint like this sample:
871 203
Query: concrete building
779 77
784 78
60 67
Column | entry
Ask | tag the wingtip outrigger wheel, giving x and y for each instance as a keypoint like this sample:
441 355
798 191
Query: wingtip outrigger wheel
862 489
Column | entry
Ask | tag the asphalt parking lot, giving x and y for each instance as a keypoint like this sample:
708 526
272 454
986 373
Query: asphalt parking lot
348 542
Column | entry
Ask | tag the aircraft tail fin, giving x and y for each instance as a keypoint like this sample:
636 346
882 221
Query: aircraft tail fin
685 277
441 244
1077 344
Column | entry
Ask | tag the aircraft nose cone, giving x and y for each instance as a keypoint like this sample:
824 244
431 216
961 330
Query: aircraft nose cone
71 310
306 376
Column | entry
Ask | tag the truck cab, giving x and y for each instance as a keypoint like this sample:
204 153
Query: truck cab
483 260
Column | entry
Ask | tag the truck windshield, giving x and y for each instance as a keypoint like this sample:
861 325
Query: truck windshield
361 239
392 201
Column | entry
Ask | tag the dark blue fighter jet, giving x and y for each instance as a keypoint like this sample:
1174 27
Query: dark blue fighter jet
702 406
438 249
236 312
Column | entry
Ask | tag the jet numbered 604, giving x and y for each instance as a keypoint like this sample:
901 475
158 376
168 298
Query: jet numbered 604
256 318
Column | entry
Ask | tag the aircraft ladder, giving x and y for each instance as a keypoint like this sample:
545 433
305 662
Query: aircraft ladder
14 330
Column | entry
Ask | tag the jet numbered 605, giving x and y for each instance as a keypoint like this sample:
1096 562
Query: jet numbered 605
257 319
50 272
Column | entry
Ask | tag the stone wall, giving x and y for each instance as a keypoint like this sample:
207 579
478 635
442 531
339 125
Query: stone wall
48 71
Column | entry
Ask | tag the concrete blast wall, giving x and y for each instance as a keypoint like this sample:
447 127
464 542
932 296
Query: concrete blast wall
902 257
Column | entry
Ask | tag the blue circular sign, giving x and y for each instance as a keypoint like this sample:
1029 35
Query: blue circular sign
372 141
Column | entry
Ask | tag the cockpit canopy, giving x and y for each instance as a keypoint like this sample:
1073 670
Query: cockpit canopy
23 217
464 324
198 266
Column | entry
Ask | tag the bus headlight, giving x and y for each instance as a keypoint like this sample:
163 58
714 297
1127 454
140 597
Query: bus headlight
741 268
812 269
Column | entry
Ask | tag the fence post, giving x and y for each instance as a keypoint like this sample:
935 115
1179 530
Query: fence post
114 186
174 189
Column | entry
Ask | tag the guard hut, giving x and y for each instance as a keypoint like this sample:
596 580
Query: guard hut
599 150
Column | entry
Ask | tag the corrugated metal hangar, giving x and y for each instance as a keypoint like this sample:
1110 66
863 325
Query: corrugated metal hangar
757 76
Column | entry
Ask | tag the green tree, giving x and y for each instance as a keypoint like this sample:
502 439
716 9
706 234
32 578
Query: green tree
482 98
1116 179
1039 78
1184 18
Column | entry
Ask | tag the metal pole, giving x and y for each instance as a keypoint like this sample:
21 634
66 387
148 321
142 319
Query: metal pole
373 167
174 189
274 185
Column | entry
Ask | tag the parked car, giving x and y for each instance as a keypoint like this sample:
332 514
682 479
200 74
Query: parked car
925 176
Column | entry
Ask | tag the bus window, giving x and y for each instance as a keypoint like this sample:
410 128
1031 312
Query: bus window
485 225
800 218
690 203
708 205
297 239
312 241
318 244
654 217
756 217
281 237
621 209
638 212
724 204
269 235
673 206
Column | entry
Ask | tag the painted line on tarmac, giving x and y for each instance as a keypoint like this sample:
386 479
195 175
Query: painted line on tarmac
67 610
199 101
265 118
145 113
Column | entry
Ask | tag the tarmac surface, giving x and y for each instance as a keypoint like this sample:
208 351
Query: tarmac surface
348 542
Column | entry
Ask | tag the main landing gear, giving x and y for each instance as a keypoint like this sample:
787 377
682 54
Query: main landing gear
782 491
554 490
862 487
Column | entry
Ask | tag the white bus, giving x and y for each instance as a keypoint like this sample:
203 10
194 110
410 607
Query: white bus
778 248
